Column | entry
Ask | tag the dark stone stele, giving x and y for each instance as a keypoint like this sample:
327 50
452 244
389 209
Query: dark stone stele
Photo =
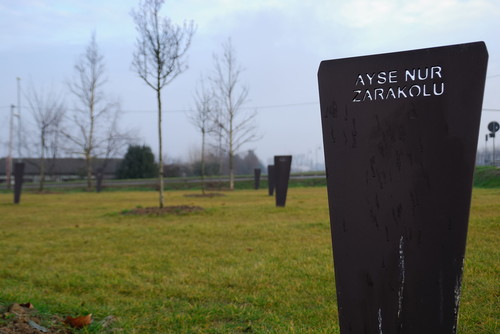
256 176
270 179
400 135
282 165
18 181
99 176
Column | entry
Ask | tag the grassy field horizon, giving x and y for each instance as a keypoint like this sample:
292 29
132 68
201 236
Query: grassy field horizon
241 265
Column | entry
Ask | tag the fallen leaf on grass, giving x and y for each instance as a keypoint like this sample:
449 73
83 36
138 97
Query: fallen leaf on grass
79 322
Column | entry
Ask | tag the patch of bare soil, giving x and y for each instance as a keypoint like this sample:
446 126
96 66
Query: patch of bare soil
168 210
209 195
24 319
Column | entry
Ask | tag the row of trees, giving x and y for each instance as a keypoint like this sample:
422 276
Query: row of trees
160 57
90 128
219 115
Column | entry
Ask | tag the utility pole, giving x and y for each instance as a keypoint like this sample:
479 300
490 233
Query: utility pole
493 162
19 125
8 162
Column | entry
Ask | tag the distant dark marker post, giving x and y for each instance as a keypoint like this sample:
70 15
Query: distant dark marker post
256 176
282 165
99 175
270 179
400 136
18 181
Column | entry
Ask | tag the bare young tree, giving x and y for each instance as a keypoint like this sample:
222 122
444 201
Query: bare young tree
94 118
47 109
159 57
201 118
237 126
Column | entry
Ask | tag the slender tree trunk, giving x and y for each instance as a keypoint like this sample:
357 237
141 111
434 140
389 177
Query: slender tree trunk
88 165
90 147
221 156
231 155
160 169
231 172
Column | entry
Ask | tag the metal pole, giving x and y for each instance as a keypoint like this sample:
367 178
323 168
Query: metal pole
486 150
19 125
316 159
8 166
493 162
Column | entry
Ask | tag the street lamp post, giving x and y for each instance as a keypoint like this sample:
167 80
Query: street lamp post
19 125
8 161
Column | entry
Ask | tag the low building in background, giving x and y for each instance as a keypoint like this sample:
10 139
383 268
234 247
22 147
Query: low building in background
62 169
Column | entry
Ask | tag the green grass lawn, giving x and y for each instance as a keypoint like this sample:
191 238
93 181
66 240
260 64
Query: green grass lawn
242 265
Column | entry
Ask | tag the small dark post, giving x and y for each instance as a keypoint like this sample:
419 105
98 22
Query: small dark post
18 181
256 174
271 179
400 135
99 175
282 164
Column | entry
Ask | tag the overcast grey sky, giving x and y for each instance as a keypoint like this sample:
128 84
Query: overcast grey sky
279 43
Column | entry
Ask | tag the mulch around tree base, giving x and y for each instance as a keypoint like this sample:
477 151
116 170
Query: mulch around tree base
168 210
209 195
23 319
